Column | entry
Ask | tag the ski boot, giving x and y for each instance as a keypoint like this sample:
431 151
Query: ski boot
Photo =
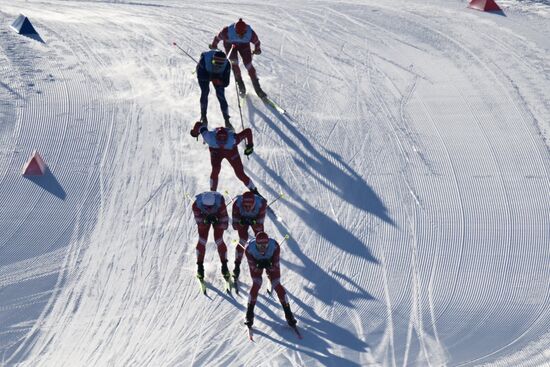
241 87
249 318
204 120
288 315
258 89
228 123
237 270
225 271
200 271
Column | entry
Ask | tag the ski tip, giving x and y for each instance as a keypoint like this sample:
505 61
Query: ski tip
250 333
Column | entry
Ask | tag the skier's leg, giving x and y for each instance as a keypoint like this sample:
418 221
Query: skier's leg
239 249
246 56
222 248
205 90
256 275
243 239
257 228
200 249
237 165
274 276
216 162
220 93
234 60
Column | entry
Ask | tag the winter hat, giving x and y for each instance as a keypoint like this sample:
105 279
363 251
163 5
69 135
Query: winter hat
221 134
262 238
219 58
240 27
249 198
209 198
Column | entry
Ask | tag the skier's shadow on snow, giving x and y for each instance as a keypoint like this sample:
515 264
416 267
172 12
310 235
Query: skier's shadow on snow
327 227
49 183
315 334
349 185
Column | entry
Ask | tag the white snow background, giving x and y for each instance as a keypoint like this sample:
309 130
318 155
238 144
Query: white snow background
414 160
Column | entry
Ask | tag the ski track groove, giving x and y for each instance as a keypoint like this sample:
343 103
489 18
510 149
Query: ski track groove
524 125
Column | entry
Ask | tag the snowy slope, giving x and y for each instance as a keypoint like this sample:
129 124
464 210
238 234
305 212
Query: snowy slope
414 161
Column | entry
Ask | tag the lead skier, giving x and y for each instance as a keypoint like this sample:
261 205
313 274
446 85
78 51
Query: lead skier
239 35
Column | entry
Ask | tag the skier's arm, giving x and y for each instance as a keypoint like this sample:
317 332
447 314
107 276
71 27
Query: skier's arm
236 217
251 260
222 36
261 214
256 42
202 74
226 76
245 134
198 214
223 219
276 257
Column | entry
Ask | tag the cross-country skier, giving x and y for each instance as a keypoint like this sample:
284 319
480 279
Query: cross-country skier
239 35
248 211
223 144
209 210
263 253
214 67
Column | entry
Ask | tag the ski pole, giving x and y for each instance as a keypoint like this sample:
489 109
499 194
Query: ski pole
281 195
238 101
185 52
187 196
284 239
230 201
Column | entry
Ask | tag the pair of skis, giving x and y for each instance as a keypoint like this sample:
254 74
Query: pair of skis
267 101
228 286
250 332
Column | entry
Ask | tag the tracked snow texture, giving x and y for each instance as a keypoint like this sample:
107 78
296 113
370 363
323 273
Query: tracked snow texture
413 157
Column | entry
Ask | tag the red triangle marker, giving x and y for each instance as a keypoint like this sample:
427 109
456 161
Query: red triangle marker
484 5
35 165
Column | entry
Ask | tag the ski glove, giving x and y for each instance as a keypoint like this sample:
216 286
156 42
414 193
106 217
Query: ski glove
249 149
263 264
211 219
247 221
257 51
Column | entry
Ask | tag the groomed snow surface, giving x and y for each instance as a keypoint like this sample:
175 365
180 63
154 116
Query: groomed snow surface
413 157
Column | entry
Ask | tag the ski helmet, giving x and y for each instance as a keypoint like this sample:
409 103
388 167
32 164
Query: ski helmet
248 200
209 198
221 135
240 26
